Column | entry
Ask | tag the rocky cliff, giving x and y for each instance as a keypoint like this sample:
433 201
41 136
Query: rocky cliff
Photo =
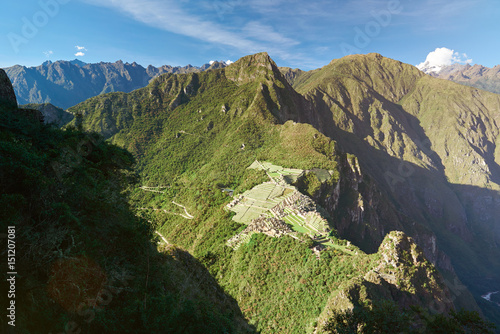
7 94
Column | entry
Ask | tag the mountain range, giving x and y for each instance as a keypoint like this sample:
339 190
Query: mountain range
477 76
304 194
67 83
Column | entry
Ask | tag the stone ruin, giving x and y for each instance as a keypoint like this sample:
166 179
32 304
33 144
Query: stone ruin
270 226
296 201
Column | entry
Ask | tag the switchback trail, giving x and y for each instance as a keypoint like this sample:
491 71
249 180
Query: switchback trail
162 237
189 216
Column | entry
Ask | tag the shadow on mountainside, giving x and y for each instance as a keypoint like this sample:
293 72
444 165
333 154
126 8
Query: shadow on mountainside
463 218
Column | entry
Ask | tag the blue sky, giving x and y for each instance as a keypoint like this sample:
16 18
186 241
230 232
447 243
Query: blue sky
304 34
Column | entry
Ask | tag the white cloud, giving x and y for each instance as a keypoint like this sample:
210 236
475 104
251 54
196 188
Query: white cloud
259 31
173 16
48 53
229 62
80 48
168 15
442 57
211 62
80 54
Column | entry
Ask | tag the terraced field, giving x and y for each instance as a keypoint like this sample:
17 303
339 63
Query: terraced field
258 200
275 172
262 198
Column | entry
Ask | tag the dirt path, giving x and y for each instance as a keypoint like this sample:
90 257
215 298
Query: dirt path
265 170
162 237
173 213
152 189
187 216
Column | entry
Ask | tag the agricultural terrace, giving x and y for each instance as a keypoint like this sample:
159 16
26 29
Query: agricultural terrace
277 173
277 199
258 200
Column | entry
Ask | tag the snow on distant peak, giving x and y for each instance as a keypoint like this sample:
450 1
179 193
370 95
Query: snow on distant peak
226 62
440 58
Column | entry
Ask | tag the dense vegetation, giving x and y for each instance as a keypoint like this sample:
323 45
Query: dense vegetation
431 146
85 261
87 216
386 317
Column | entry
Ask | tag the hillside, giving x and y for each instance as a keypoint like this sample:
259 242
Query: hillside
195 135
7 95
431 145
477 76
51 113
67 83
85 261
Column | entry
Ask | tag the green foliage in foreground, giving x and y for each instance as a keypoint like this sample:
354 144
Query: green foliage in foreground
386 317
85 262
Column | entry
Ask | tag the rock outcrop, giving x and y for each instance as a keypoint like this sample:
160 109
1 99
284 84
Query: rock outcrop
403 274
7 94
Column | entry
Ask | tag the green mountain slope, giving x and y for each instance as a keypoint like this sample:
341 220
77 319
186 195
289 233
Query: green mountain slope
85 261
195 135
430 144
51 114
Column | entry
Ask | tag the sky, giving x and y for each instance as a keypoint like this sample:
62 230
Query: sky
299 34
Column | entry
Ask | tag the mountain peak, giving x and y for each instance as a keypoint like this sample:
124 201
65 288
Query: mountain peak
78 62
250 67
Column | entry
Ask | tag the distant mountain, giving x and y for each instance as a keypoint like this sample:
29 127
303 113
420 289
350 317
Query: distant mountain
477 76
51 113
352 187
85 254
67 83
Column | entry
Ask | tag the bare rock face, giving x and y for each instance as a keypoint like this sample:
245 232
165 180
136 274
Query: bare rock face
7 94
475 76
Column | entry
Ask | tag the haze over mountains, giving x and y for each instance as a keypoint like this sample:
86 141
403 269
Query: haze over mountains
67 83
380 147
